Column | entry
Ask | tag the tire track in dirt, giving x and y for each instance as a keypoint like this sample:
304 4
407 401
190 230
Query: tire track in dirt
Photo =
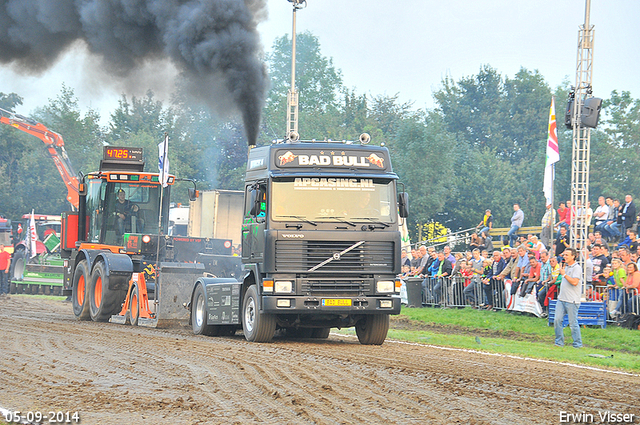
125 374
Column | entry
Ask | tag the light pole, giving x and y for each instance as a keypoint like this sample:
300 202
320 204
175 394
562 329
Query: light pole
292 96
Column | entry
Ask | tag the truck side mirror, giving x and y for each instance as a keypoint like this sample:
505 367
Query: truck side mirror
403 204
255 204
193 194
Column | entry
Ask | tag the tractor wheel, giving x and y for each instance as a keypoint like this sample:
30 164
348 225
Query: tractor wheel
257 327
372 329
320 333
13 288
134 306
199 314
18 262
103 302
80 290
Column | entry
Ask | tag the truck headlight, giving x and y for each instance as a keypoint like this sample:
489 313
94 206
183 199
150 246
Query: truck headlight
283 286
385 286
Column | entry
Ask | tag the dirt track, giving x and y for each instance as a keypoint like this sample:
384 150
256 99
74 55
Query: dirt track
130 375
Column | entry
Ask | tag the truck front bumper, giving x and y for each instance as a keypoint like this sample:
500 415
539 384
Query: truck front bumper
283 304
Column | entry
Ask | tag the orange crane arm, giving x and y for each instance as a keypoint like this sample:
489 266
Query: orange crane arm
55 149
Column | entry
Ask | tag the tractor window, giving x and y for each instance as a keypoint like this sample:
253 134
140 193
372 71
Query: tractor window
131 208
95 197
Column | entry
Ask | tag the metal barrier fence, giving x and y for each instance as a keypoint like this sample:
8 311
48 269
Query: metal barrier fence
619 302
460 291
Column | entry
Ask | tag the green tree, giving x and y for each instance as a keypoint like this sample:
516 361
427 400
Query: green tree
13 144
419 152
318 82
33 179
501 127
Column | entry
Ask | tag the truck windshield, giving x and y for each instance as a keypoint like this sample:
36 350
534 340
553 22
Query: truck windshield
333 199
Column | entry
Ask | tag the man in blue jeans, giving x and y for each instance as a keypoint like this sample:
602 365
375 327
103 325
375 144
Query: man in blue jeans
569 299
516 223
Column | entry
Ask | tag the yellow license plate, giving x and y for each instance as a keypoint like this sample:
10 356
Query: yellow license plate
336 302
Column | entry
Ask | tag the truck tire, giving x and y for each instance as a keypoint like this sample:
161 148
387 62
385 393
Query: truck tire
257 327
103 302
372 329
199 314
320 333
134 306
80 290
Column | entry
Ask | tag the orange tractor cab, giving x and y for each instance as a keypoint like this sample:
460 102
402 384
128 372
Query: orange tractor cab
120 263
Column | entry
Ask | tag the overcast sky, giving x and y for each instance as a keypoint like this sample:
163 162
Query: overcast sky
408 47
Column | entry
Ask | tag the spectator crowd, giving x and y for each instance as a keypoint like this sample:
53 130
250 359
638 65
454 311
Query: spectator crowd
534 266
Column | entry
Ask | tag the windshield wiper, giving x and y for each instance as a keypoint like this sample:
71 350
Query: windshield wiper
340 219
299 218
372 219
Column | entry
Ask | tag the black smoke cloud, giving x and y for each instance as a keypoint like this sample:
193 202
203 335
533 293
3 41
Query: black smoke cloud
214 43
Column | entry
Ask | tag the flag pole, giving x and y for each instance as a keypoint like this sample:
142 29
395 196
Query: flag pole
162 166
553 156
553 183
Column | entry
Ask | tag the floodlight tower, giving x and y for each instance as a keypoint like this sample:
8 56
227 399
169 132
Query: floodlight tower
581 139
292 96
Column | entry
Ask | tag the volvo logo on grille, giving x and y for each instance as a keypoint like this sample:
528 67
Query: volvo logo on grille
336 255
292 235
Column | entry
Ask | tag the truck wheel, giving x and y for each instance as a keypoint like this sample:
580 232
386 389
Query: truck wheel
320 333
79 291
134 307
372 329
257 327
199 314
103 302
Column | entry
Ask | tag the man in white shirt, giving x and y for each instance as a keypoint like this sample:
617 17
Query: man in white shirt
569 299
601 214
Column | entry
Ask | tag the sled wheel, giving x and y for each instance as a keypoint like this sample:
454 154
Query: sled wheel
134 307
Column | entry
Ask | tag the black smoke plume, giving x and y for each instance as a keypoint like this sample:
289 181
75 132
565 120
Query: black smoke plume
214 43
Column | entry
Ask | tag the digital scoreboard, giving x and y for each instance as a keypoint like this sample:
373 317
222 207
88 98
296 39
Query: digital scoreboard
112 153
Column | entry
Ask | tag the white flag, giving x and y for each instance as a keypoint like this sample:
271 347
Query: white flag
163 161
553 154
33 236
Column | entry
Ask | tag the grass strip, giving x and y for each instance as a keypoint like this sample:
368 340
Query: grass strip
515 334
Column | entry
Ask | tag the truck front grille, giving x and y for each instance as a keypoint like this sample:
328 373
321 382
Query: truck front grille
299 256
343 287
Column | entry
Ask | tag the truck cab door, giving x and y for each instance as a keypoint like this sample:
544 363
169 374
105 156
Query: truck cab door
254 223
